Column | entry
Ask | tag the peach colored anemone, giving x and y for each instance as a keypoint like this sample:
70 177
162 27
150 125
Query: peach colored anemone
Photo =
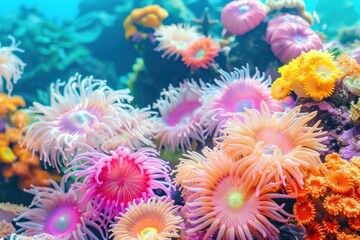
274 147
304 211
200 53
223 205
174 39
154 219
340 181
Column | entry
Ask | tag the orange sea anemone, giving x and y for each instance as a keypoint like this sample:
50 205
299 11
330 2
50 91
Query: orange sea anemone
149 17
333 161
316 186
330 224
154 219
332 204
351 207
200 53
174 39
340 181
277 147
315 231
223 204
304 211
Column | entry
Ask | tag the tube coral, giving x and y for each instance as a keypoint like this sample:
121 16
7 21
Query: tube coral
113 181
88 111
240 17
153 219
11 67
273 147
233 93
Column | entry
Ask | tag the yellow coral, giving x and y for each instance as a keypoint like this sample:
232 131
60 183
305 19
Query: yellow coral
6 155
149 17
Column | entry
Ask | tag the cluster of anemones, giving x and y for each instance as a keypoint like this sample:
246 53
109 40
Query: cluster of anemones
328 205
225 188
196 50
312 74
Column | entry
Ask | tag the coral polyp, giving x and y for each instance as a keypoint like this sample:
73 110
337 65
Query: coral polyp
117 179
88 111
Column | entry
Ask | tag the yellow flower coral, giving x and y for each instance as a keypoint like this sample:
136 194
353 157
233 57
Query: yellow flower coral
312 74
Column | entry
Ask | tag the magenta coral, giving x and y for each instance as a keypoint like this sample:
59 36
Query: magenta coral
58 213
240 17
117 179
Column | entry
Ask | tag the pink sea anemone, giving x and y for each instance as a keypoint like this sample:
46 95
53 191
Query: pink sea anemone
234 92
154 219
174 39
240 17
289 40
224 205
180 111
113 181
278 147
11 67
58 213
88 112
200 53
284 19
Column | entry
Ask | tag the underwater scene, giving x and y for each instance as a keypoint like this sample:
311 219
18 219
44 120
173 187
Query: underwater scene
179 119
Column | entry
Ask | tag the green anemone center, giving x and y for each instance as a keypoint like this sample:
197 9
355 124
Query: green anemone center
148 233
200 54
235 200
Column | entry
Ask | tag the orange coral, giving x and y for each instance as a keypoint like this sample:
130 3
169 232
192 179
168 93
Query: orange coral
149 17
332 204
354 223
304 211
330 224
340 181
316 186
315 232
351 207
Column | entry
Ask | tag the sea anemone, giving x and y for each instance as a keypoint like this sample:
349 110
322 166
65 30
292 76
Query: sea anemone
11 67
350 206
57 212
304 211
316 186
88 112
174 39
154 219
332 204
274 147
315 231
240 17
180 111
340 181
200 53
223 204
289 40
117 179
233 93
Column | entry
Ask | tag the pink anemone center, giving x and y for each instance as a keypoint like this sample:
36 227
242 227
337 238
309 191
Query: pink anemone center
183 113
62 220
75 121
122 180
236 100
275 138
